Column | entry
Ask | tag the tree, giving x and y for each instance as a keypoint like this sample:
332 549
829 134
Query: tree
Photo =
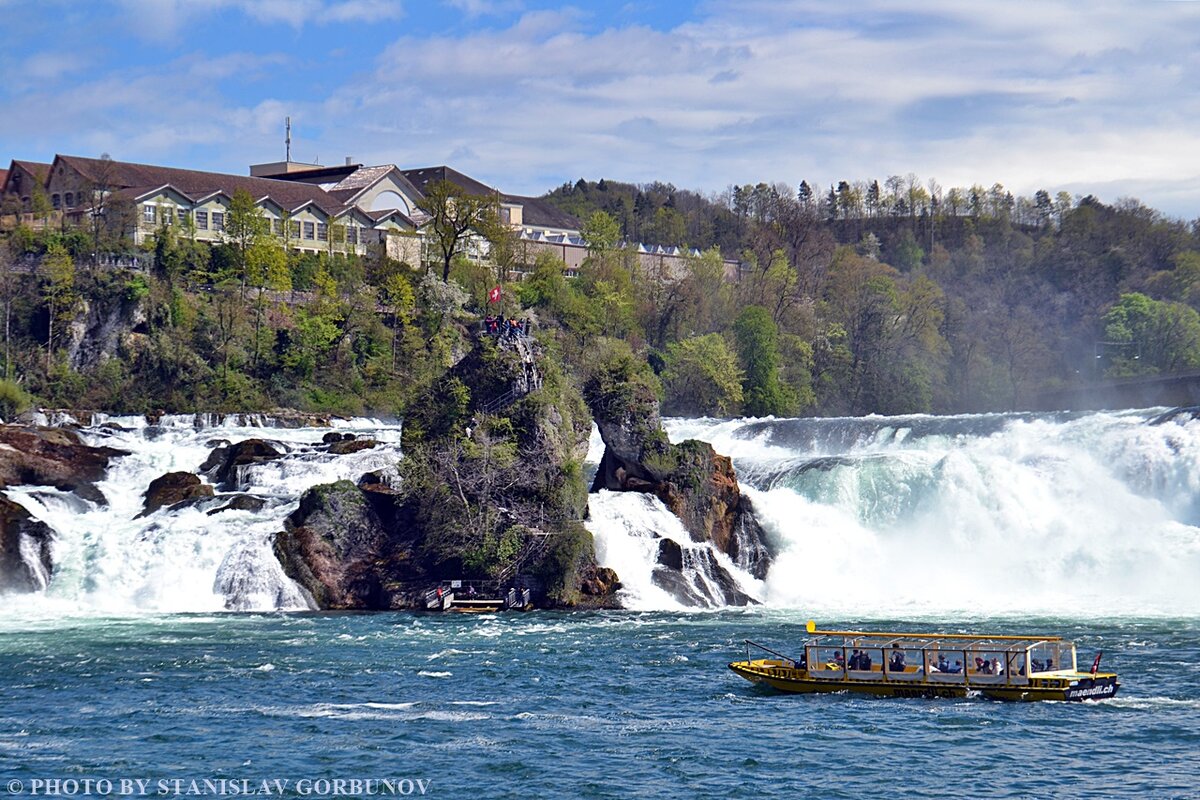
245 228
454 216
758 349
58 291
1162 336
266 269
702 377
7 288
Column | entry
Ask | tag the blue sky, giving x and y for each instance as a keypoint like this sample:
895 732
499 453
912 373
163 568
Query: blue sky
1090 97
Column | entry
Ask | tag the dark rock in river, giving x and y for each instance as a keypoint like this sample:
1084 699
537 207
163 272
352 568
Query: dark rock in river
330 546
41 456
173 489
23 568
347 446
222 463
240 502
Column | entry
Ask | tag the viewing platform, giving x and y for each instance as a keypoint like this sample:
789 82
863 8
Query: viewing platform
471 596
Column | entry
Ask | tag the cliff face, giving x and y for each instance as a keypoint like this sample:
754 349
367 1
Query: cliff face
491 490
697 484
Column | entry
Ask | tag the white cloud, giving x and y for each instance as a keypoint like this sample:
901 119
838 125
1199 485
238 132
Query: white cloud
1047 94
165 20
485 8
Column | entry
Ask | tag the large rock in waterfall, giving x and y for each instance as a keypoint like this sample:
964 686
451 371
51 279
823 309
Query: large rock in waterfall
58 457
173 488
332 545
223 462
492 490
696 483
26 557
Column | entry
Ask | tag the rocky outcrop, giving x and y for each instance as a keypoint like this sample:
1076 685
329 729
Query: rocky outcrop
223 462
331 545
41 456
491 490
696 483
26 556
171 489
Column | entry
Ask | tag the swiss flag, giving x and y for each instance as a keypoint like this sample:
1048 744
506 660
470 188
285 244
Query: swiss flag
494 295
1096 663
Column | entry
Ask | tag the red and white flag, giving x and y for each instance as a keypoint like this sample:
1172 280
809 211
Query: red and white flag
1096 663
494 295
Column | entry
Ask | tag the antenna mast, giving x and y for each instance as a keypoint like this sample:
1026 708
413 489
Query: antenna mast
288 140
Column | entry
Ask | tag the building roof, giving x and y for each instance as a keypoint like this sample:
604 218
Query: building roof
540 213
36 168
125 175
420 178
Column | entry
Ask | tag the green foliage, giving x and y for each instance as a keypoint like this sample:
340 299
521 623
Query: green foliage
702 377
1160 336
758 348
13 400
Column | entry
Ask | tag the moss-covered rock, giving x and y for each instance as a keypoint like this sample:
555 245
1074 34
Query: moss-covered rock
696 483
491 489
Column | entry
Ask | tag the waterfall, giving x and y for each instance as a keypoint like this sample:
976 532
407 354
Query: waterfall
195 558
1078 513
990 514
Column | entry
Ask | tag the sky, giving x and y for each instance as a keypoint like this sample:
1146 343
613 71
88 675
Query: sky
1092 97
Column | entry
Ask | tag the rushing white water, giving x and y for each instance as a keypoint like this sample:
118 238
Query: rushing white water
983 514
1083 514
108 560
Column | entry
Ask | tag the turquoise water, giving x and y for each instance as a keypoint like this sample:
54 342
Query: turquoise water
555 705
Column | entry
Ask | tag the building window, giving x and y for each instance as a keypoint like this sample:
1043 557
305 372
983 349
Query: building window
277 226
202 220
70 199
309 230
181 216
352 234
295 229
322 232
149 213
506 215
219 221
56 200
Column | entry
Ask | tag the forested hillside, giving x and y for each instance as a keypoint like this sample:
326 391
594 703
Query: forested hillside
903 296
891 298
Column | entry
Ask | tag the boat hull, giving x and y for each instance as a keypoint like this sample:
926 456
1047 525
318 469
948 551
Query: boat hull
1065 687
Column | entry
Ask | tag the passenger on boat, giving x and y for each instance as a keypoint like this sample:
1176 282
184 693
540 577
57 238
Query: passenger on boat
979 664
854 660
839 659
957 668
897 662
864 660
942 664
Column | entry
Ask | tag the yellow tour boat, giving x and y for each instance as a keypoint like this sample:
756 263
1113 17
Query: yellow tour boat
930 665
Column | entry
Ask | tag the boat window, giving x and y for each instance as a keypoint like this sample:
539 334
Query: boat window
1051 657
901 660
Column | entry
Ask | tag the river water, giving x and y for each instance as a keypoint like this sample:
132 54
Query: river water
172 647
559 705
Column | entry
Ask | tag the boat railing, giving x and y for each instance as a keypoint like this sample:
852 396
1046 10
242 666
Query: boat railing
794 662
